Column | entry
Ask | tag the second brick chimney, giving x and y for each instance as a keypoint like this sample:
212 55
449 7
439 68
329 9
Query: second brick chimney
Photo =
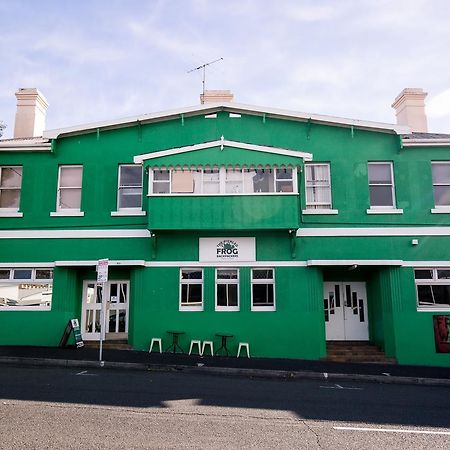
216 97
31 112
409 108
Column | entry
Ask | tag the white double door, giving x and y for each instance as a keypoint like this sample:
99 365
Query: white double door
115 294
345 305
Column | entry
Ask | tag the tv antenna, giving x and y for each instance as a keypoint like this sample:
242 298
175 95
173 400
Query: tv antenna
203 67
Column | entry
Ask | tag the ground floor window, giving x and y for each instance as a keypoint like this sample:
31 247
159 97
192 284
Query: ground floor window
26 289
433 288
227 290
191 289
263 290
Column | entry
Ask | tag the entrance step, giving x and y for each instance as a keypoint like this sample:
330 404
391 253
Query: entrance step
356 351
121 344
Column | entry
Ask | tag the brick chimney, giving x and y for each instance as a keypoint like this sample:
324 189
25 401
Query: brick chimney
409 108
30 115
216 97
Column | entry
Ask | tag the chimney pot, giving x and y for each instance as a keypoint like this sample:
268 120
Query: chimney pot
215 96
409 108
30 114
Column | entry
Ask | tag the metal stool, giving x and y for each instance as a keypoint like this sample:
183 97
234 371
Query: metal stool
241 346
211 347
199 346
155 341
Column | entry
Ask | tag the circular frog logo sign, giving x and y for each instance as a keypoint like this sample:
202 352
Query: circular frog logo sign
227 249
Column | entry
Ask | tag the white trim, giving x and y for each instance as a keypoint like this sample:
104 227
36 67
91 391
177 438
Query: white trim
426 142
237 108
67 213
320 211
372 231
223 194
426 264
28 265
353 262
73 234
441 210
139 159
381 210
433 309
4 213
232 264
128 212
111 262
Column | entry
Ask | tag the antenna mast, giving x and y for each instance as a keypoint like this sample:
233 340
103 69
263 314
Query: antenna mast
203 66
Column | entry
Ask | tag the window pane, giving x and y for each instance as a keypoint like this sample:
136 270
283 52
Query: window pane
191 293
381 196
227 274
227 295
259 274
285 186
441 294
44 274
211 181
22 274
161 175
130 197
442 195
130 176
441 173
182 182
69 198
284 174
233 181
187 274
232 290
4 274
443 274
10 198
222 295
11 177
318 195
161 187
25 294
70 176
423 274
380 173
317 174
263 181
262 294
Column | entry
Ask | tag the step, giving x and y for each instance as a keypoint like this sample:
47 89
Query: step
109 345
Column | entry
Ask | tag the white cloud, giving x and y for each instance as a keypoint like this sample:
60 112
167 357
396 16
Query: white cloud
438 106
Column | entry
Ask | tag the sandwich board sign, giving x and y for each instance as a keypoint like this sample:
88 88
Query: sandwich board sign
102 270
72 326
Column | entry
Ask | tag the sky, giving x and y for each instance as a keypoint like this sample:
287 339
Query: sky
98 60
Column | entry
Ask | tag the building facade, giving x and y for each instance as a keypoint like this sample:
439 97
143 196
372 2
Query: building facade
283 229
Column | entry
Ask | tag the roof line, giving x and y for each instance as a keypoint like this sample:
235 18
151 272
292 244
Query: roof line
232 107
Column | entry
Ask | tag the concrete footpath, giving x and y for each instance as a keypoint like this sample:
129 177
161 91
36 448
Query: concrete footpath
226 366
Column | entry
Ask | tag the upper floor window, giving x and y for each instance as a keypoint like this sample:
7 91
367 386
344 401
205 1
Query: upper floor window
441 183
433 288
318 186
227 181
69 188
227 290
381 185
10 186
129 194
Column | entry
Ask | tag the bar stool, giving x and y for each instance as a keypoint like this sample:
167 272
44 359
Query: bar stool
199 346
211 347
155 341
241 346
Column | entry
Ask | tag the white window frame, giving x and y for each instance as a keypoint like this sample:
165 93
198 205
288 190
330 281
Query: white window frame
68 211
318 207
11 212
230 281
386 209
30 280
222 183
262 281
191 306
439 209
136 211
434 281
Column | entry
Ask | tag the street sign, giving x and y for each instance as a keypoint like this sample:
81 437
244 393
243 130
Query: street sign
102 270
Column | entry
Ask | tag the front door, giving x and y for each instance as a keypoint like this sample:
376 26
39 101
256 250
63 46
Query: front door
116 295
345 307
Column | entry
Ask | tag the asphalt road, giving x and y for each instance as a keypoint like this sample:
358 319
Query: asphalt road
111 409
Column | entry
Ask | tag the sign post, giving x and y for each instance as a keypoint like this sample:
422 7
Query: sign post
102 277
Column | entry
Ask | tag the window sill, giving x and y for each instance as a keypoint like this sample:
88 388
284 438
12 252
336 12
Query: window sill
191 308
384 211
25 308
262 308
11 214
434 309
128 212
441 210
67 214
320 211
227 309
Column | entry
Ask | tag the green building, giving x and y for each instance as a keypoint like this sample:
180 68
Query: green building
285 230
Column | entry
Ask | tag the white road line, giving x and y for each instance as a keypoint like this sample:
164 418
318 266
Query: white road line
338 386
392 430
85 373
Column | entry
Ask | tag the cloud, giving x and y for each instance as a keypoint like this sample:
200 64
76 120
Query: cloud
438 106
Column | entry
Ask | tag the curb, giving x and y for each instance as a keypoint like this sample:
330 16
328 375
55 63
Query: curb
226 371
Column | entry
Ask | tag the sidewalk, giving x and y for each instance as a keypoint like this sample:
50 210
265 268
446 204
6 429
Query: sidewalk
253 367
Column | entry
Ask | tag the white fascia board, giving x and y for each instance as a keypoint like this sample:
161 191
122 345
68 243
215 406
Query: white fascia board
372 231
426 264
354 262
188 264
28 265
426 143
89 263
73 234
26 148
223 143
239 108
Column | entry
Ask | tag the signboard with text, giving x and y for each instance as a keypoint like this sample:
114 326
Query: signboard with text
102 271
230 250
